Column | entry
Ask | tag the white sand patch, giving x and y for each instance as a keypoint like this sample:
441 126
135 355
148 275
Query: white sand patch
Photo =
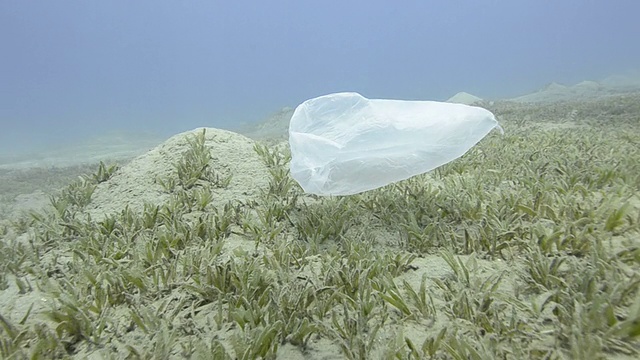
108 147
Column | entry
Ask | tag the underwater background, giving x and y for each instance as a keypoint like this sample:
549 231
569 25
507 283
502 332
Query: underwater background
148 211
75 69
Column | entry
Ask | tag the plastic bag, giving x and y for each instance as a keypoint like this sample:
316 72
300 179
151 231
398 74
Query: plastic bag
344 143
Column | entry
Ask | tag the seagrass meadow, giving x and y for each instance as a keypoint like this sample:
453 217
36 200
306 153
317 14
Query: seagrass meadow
527 247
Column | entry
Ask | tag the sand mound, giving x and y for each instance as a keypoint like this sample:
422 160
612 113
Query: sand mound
274 127
464 98
585 90
137 182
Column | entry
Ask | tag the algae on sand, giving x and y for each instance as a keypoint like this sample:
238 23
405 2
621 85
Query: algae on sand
523 248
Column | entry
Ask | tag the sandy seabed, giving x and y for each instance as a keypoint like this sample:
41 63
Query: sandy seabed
526 247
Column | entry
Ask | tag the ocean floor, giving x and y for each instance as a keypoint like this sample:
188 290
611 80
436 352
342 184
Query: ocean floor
202 246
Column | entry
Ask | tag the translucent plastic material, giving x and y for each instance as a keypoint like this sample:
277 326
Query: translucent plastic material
344 143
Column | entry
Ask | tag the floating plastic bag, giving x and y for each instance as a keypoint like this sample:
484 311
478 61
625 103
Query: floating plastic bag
344 143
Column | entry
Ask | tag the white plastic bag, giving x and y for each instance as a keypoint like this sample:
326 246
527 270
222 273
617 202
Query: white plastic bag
344 143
